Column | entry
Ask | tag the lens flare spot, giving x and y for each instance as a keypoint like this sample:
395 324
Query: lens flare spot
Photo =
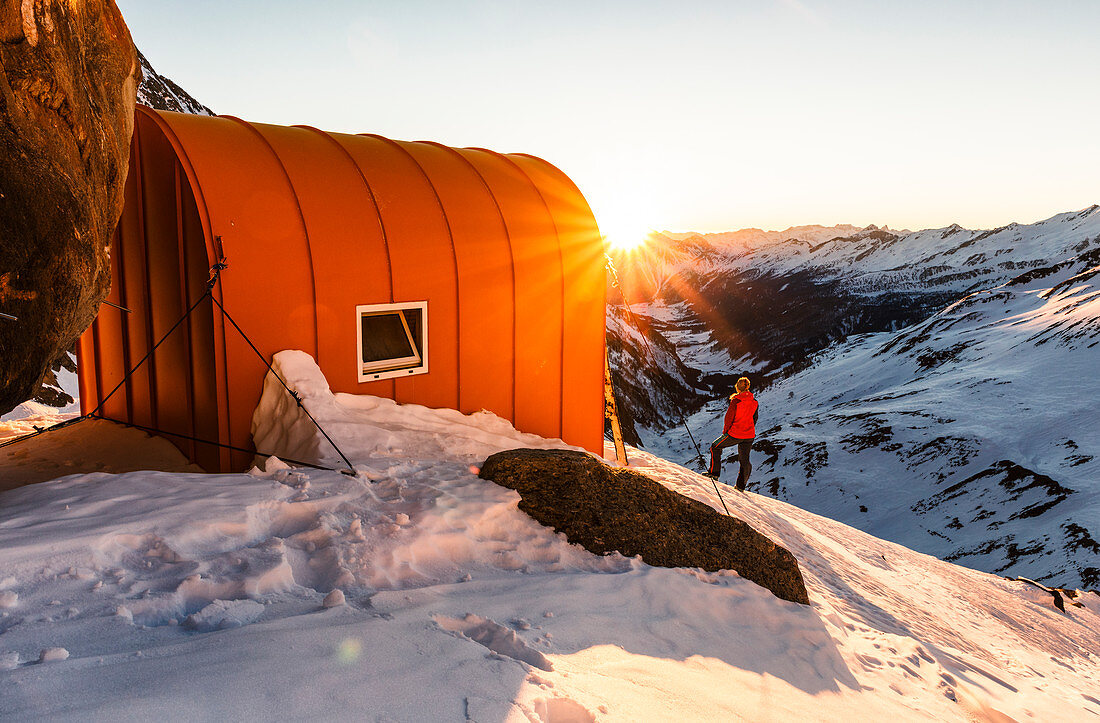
349 651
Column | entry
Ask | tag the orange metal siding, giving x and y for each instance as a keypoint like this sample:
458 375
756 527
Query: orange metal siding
210 377
584 299
422 260
486 296
252 208
538 287
348 252
503 248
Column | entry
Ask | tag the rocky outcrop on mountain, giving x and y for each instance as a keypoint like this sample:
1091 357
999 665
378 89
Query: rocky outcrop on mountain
653 387
70 74
606 509
157 91
781 322
53 393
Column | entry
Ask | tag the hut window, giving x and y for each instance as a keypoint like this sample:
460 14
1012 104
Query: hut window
393 340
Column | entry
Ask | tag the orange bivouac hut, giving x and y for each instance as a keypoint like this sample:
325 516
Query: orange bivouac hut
457 278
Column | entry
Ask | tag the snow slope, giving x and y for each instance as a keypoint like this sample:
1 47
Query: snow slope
986 412
774 306
214 596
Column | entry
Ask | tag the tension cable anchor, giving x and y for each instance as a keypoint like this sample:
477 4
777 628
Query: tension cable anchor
215 273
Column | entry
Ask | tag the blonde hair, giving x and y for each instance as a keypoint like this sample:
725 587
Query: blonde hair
742 384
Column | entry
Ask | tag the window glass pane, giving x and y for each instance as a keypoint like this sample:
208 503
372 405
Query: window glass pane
384 337
413 317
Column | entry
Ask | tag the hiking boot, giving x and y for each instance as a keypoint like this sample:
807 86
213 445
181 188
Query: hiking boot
714 476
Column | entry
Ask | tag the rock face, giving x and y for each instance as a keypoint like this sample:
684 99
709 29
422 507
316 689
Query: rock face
70 73
607 509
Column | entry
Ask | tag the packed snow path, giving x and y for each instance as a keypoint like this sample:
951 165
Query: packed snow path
199 596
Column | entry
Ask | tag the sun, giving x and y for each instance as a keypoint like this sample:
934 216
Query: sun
630 241
624 232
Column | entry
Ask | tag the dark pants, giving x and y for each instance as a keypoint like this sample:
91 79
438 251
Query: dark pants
744 446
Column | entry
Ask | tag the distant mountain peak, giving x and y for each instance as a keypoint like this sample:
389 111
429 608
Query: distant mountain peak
161 93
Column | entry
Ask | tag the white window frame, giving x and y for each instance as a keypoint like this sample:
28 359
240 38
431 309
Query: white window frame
419 363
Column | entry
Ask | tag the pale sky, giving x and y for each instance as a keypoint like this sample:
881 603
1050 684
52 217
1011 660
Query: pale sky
687 115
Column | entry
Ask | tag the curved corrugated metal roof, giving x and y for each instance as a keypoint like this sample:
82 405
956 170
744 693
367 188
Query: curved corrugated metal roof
503 247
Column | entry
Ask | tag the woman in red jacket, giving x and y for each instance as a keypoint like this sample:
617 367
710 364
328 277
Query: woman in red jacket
740 429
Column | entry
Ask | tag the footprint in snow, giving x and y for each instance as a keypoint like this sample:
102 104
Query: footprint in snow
562 710
495 637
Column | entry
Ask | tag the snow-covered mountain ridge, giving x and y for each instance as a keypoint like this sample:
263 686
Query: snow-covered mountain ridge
754 237
767 301
873 259
937 389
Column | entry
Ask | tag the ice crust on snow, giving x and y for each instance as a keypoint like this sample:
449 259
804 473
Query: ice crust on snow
469 600
103 447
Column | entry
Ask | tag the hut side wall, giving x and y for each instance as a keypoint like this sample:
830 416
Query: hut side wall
348 249
486 290
422 260
268 285
159 268
583 300
538 293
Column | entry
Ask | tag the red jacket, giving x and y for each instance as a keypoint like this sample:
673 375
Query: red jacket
741 416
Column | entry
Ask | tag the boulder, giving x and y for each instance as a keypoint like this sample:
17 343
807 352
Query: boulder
68 76
607 509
